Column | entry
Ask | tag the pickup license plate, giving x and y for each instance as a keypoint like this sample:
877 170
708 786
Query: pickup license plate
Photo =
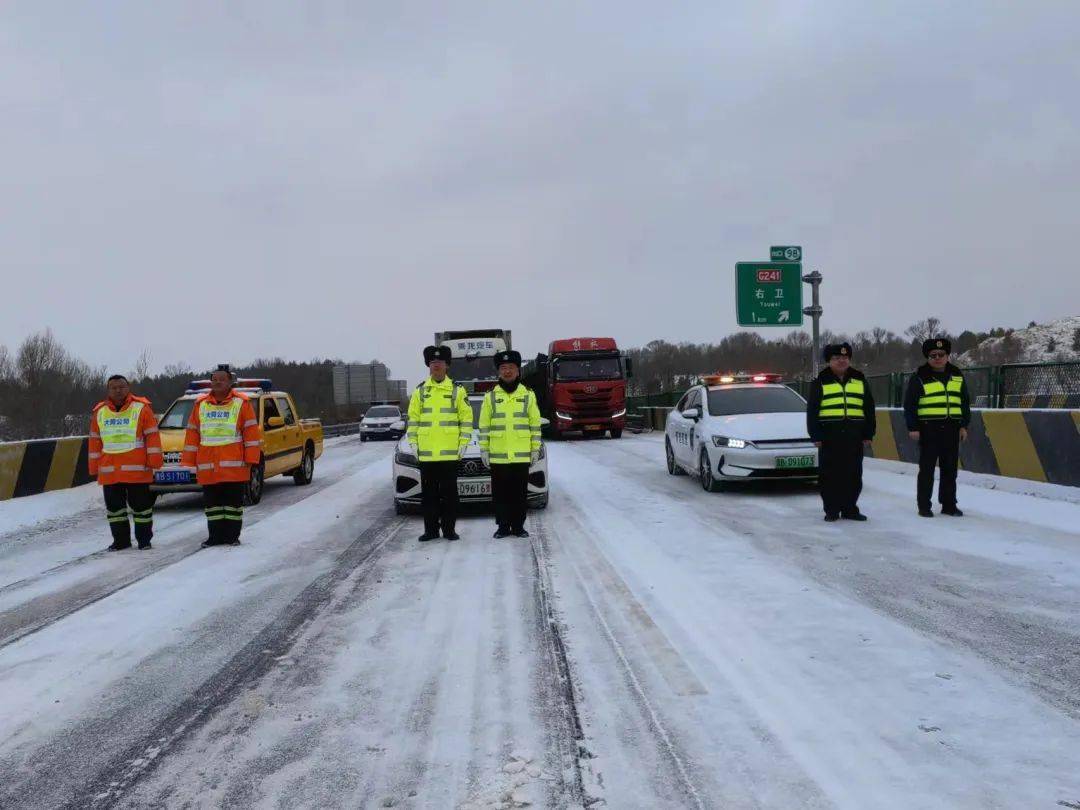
473 489
172 477
594 427
789 462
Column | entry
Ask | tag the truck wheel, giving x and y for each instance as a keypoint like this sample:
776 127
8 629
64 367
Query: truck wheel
253 492
616 433
306 471
542 503
363 438
672 467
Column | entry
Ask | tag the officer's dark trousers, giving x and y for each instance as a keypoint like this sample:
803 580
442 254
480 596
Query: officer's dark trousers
118 497
439 498
841 462
939 443
510 491
224 507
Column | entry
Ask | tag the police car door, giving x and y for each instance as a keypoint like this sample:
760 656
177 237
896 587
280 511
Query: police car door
691 447
684 429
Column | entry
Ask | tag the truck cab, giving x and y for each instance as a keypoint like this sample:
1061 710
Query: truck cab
581 383
472 356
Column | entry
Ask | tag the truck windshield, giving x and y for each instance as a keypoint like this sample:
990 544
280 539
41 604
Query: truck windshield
176 418
475 368
597 368
382 412
759 399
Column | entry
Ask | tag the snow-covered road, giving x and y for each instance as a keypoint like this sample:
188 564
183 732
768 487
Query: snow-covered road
652 646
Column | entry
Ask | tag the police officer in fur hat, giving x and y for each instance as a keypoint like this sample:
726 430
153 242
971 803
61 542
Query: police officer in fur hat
937 411
440 428
841 421
509 443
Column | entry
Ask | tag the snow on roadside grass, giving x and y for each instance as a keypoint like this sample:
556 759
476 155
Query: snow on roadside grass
18 513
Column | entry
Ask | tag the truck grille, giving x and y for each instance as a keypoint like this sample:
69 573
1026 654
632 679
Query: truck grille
590 406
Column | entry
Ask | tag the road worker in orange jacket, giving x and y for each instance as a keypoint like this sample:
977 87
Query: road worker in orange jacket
123 452
223 443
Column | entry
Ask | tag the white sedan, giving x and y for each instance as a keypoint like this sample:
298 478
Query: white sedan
474 479
740 430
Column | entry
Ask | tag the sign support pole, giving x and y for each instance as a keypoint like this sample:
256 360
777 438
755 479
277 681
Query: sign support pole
814 311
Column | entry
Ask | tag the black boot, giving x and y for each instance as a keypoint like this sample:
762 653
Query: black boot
831 517
853 514
926 512
428 536
520 532
500 533
952 511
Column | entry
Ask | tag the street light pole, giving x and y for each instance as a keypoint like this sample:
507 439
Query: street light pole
814 311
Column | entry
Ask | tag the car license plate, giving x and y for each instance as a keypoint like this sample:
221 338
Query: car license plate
473 489
789 462
172 477
594 427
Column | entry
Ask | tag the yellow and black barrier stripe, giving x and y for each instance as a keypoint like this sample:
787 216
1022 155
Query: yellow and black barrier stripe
43 465
1038 445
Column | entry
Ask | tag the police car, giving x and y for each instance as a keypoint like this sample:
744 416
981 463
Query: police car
474 479
740 427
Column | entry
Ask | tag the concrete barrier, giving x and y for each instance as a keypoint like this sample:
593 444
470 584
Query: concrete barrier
42 465
1038 445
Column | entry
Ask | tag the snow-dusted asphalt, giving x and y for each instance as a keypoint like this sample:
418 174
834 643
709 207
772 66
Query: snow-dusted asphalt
652 646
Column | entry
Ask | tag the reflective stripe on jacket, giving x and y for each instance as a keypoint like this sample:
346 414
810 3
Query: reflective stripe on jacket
440 420
842 400
941 400
224 447
124 445
510 425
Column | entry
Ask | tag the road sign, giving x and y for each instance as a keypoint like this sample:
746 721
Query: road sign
785 253
769 293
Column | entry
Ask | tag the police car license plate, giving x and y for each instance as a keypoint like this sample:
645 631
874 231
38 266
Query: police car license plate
473 489
594 427
172 477
789 462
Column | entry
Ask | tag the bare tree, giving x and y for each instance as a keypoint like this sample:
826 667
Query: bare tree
925 329
7 367
180 369
142 365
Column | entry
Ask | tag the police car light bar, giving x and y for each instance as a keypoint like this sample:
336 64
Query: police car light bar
729 379
249 383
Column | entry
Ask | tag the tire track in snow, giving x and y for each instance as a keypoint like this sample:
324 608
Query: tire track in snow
252 663
663 738
38 613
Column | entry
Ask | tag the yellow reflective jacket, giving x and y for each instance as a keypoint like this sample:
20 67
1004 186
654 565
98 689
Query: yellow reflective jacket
440 420
509 425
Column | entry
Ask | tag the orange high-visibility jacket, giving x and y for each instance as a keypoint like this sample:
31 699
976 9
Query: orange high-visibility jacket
221 463
135 466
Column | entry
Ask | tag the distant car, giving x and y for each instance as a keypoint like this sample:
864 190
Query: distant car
474 479
382 422
740 428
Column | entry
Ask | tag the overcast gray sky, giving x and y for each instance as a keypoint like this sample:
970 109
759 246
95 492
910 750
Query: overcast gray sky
222 180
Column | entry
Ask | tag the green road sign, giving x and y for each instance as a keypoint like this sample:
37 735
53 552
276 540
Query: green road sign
785 253
769 293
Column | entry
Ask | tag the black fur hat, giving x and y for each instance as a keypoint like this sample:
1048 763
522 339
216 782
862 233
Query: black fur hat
834 349
436 353
508 356
936 344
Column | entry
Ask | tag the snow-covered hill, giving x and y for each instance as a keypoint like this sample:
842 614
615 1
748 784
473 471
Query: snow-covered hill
1039 343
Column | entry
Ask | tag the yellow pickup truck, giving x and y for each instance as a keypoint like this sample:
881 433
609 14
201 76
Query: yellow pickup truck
290 444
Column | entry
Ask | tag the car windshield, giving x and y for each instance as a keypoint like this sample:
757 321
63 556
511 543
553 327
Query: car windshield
176 418
759 399
476 368
597 368
382 412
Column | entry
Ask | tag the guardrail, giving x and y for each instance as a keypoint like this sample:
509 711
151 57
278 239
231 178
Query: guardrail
343 429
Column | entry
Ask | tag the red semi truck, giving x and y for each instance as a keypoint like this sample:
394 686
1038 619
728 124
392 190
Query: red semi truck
581 386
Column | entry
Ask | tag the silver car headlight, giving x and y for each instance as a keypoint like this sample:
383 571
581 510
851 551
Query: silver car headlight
407 458
725 441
